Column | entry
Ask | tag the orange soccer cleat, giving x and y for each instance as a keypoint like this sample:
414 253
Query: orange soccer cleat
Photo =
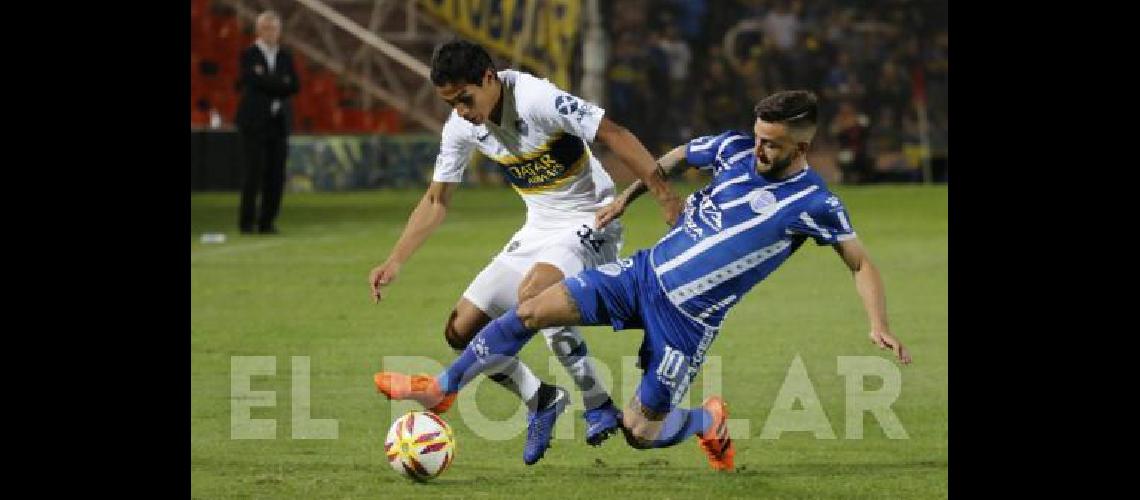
716 442
422 388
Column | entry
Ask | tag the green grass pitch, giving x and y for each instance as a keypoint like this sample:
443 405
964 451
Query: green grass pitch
304 293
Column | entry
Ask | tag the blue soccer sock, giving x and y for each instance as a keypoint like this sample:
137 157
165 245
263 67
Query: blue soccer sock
680 424
500 340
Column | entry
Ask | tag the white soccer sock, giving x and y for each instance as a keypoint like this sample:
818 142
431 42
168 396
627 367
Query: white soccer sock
567 344
516 376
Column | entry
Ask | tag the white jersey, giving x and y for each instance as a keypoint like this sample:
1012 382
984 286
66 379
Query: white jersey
541 149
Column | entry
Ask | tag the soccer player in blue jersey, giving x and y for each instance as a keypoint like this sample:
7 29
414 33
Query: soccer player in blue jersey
763 203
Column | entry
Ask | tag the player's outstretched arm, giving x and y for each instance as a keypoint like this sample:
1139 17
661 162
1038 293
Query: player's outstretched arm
426 217
637 158
666 166
870 287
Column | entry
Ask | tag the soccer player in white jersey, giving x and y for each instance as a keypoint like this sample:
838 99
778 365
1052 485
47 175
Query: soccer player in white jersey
762 204
538 135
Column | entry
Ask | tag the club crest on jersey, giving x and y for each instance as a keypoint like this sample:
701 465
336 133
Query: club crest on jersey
609 269
584 110
761 199
565 104
615 268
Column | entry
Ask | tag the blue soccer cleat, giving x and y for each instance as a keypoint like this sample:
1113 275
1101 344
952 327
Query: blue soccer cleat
601 423
540 426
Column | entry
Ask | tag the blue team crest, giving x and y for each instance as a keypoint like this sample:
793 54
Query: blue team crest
761 199
565 104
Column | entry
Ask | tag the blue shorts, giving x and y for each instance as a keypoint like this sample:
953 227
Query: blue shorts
627 295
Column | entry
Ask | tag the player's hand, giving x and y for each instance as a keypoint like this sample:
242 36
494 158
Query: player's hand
380 276
885 340
671 208
609 212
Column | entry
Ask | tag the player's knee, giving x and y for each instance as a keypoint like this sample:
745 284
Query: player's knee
640 432
456 337
641 437
634 435
541 276
636 442
528 313
527 291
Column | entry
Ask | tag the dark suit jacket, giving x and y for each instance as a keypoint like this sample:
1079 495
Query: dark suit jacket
259 87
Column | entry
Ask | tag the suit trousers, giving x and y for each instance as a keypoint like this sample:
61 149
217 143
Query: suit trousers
265 151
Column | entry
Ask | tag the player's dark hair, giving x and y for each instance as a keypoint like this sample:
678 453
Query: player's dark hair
795 108
459 62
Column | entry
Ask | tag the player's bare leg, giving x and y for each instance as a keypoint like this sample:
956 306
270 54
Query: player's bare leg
646 428
570 348
640 424
554 306
465 321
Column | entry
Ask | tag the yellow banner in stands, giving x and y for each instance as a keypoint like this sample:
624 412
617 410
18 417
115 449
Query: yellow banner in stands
499 26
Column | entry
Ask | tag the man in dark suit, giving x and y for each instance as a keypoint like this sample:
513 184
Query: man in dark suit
264 116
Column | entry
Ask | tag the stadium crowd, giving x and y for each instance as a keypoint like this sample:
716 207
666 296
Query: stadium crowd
677 69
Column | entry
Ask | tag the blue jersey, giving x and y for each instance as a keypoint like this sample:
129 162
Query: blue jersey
740 227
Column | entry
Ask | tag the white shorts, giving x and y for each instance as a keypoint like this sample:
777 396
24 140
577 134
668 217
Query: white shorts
570 249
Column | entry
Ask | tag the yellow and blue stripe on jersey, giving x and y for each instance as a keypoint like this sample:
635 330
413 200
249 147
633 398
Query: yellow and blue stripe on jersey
559 160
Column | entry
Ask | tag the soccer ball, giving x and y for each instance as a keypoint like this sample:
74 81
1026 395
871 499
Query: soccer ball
420 445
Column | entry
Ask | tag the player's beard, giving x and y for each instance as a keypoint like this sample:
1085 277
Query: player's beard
777 168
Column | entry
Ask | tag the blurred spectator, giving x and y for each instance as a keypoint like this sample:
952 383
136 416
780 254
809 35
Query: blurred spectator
937 60
888 145
690 21
626 77
782 26
810 61
714 54
657 90
842 81
754 8
678 57
720 98
838 29
760 74
891 92
850 129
